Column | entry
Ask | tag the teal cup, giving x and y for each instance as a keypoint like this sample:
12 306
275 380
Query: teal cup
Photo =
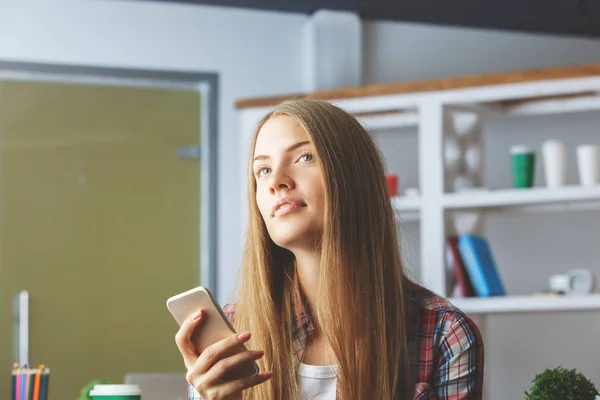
116 392
523 166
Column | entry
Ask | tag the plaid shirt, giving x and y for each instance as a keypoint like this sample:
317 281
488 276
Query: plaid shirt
449 355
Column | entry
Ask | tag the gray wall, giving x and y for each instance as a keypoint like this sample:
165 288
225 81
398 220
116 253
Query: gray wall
528 247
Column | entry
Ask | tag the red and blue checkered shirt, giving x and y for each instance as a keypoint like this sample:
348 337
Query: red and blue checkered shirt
448 360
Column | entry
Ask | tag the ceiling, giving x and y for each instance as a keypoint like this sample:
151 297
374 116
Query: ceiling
563 17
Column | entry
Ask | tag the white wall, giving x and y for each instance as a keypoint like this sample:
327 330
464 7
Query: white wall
254 52
528 248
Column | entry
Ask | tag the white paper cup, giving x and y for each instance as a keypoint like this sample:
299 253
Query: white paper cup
520 149
588 163
116 392
555 163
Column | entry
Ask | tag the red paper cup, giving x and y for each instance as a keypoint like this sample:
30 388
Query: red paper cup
392 181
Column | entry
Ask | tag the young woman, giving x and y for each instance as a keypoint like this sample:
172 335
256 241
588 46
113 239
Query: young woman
323 297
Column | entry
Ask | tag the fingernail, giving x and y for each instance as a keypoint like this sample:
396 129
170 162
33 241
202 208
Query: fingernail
258 353
197 316
244 336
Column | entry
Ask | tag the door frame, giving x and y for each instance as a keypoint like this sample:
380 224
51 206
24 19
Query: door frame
205 84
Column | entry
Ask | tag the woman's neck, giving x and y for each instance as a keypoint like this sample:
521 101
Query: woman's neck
317 351
307 266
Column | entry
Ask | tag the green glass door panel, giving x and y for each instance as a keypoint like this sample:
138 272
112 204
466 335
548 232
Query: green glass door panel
99 222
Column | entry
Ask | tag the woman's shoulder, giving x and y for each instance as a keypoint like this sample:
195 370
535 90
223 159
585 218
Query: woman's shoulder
440 317
449 349
430 301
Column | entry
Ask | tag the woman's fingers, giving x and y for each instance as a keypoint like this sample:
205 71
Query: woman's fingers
183 339
227 365
239 385
206 371
220 350
227 390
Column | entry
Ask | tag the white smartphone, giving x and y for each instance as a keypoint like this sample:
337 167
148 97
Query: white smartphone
214 325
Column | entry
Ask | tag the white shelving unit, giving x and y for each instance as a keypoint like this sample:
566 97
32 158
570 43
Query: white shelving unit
456 108
446 108
568 198
536 199
407 208
525 304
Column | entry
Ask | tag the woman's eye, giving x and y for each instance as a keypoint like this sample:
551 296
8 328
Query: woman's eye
306 157
262 171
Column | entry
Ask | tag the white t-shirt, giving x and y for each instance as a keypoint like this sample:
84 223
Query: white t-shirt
316 382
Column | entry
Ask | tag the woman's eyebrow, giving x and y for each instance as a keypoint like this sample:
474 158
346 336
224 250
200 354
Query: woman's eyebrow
288 149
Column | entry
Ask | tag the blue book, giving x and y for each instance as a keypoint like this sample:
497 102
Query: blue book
480 265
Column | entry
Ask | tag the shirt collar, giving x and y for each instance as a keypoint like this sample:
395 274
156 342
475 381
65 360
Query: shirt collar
302 318
302 321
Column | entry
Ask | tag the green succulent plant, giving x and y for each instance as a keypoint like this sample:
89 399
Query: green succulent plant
561 384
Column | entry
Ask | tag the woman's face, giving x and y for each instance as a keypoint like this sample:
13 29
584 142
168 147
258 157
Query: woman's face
289 184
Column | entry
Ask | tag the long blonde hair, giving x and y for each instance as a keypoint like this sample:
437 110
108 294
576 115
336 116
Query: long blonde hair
361 302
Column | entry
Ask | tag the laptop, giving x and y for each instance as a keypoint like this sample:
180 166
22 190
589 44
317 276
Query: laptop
160 386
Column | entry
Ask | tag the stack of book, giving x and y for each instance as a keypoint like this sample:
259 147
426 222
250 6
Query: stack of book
475 272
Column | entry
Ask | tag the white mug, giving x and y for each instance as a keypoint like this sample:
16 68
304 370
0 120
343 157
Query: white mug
576 281
555 163
589 165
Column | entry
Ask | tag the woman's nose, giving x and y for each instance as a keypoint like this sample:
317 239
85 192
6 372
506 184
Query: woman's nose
280 180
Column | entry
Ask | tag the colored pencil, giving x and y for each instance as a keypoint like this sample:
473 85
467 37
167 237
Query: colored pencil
36 385
44 384
30 384
30 377
25 378
14 384
48 384
22 384
14 379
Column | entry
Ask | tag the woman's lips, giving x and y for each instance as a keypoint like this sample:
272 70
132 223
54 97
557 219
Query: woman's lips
286 205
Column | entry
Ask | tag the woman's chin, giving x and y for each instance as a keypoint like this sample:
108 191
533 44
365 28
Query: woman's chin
291 239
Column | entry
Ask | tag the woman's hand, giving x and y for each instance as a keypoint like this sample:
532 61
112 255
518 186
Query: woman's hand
206 371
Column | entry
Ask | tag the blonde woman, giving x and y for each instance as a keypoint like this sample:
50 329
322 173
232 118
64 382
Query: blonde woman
323 298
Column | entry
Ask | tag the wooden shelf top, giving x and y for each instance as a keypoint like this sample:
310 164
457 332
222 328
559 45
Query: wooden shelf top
432 85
